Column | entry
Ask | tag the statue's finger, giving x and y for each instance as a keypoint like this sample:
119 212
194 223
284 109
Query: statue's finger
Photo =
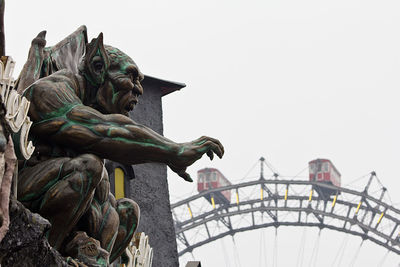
200 141
182 173
218 143
214 140
210 154
214 148
185 176
221 147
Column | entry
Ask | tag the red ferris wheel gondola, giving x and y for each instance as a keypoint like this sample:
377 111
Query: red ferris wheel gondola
323 171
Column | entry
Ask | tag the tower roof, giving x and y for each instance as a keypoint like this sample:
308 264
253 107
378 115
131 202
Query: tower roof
165 86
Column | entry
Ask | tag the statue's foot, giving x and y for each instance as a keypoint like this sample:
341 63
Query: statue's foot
87 250
74 263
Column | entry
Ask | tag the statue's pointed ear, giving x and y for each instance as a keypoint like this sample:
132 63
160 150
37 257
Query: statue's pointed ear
96 61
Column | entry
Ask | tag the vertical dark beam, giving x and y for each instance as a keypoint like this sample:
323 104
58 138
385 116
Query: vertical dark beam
394 229
347 217
252 215
301 205
1 54
2 36
208 231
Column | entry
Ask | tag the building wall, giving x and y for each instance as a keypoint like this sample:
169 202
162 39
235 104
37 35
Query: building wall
150 187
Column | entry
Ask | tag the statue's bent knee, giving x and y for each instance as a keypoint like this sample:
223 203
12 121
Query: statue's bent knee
90 165
129 214
71 185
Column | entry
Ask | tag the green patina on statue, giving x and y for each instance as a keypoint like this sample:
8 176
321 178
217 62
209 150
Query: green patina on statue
81 94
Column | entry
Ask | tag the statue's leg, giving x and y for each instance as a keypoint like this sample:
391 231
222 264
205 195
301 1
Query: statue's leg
129 214
61 191
101 220
111 222
34 182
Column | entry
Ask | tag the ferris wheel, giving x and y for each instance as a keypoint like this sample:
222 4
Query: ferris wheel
314 221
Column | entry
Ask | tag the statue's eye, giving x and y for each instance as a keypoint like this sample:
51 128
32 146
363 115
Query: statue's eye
97 63
98 66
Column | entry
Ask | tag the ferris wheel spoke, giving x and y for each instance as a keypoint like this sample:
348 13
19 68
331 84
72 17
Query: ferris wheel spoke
236 253
226 258
380 264
353 261
342 251
301 249
314 253
275 259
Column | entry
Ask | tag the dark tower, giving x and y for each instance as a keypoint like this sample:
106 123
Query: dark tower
147 183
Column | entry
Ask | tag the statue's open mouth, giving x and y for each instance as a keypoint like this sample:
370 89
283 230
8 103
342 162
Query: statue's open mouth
130 105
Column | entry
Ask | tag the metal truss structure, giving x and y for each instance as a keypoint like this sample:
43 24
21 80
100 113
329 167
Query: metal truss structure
279 202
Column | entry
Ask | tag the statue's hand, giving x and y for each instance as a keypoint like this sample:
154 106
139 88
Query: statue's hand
190 152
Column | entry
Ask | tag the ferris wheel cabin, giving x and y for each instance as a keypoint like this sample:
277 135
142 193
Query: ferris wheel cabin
323 171
209 178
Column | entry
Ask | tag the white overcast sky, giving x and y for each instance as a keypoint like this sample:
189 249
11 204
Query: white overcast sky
288 80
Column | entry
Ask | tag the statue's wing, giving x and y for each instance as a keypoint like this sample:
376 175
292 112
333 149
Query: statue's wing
43 61
66 54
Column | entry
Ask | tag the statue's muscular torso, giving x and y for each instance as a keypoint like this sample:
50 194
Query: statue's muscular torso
48 97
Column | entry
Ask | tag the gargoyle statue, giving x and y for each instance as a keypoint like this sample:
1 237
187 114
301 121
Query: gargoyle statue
80 96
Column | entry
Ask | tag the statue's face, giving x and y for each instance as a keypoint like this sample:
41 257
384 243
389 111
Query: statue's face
113 76
121 88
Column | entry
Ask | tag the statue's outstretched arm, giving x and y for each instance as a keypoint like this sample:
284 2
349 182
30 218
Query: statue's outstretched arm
66 121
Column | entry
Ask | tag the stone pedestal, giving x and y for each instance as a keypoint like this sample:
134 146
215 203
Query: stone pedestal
25 244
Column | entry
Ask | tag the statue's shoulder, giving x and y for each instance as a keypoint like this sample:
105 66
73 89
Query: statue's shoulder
58 82
53 94
64 75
